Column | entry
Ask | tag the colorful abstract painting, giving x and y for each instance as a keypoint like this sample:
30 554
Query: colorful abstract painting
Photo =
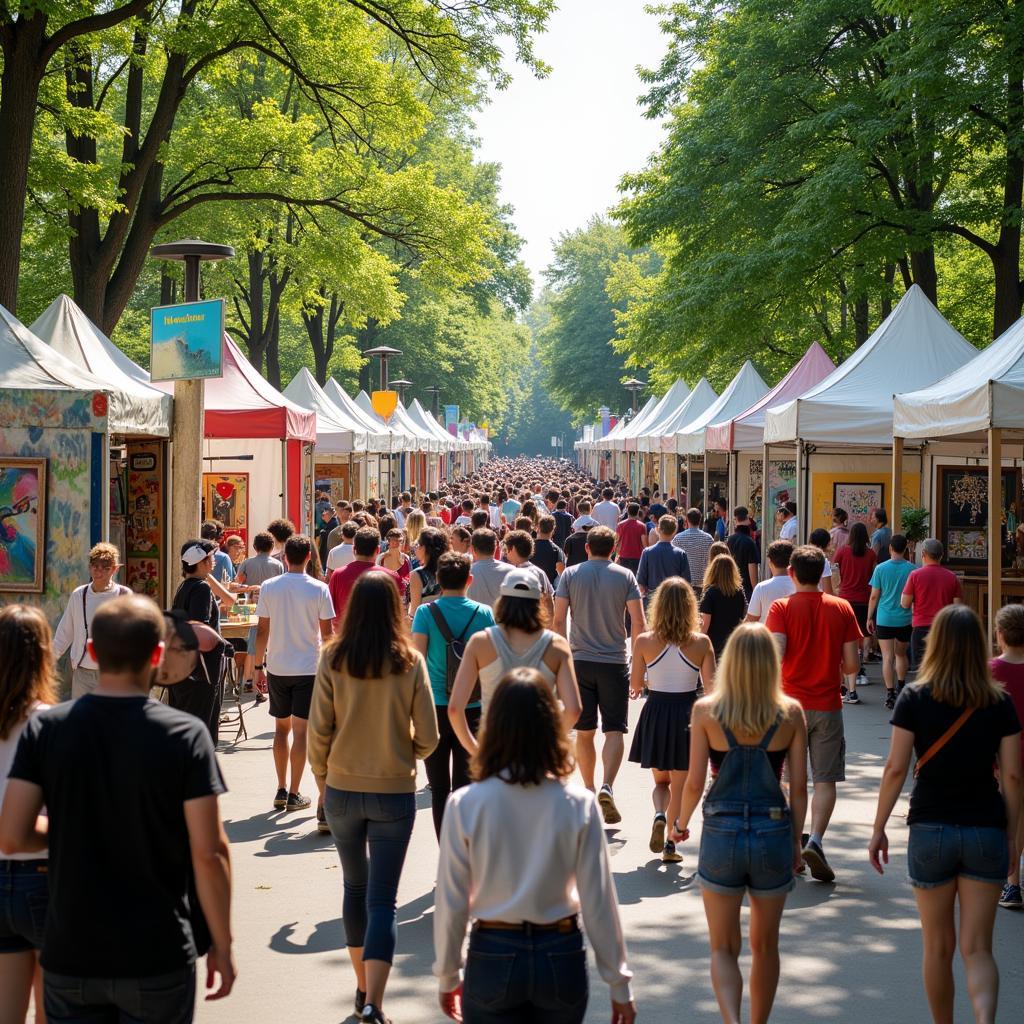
22 524
858 500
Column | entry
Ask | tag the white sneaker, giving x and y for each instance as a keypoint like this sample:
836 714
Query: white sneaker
862 679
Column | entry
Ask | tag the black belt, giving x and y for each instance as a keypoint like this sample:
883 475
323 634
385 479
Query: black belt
24 867
565 926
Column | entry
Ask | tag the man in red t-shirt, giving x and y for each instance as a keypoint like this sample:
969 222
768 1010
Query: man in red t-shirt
928 590
632 539
364 548
817 636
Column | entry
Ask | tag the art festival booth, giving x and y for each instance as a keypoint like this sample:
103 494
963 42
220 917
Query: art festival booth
409 440
58 423
415 462
742 437
139 449
838 435
614 441
743 390
638 438
980 405
440 467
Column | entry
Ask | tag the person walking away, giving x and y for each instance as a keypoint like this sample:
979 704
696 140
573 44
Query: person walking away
722 604
253 573
365 547
599 594
576 545
790 526
928 590
372 718
423 583
695 543
631 537
839 535
776 587
201 693
1008 669
817 635
280 530
606 512
487 571
519 552
518 639
523 853
295 615
547 555
856 563
72 633
662 560
821 540
563 522
744 551
888 621
343 513
343 552
881 534
27 686
675 659
448 766
168 859
750 842
963 824
584 519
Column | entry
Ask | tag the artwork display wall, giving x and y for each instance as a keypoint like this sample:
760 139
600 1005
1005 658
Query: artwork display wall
22 524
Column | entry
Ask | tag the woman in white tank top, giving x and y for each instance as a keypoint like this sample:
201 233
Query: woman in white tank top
676 660
519 640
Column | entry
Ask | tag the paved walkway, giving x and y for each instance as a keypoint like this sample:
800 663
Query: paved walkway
850 951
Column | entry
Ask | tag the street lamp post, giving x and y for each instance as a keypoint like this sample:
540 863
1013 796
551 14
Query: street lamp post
187 435
435 396
634 387
401 386
384 353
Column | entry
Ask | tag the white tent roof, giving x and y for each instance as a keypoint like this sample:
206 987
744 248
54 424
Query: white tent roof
743 391
336 432
379 437
622 425
410 439
986 392
662 410
699 399
140 408
418 414
914 346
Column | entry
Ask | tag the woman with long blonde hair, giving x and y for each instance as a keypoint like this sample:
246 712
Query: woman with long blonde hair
963 823
415 524
672 659
26 688
750 839
723 605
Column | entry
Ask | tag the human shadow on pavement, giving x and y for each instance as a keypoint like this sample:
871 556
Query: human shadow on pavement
326 937
259 826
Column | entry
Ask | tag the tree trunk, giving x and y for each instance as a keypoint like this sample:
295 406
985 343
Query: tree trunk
924 274
860 320
1006 263
19 93
1006 259
322 327
889 278
274 354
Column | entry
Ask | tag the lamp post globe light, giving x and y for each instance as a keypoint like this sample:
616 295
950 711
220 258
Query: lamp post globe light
634 387
384 353
401 386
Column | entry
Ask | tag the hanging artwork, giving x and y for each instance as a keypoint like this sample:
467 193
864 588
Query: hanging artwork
144 518
962 520
859 501
226 497
22 524
781 485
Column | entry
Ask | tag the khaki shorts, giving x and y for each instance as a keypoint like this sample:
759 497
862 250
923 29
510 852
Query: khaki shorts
826 745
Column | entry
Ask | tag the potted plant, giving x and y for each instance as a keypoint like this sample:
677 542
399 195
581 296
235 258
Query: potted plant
914 526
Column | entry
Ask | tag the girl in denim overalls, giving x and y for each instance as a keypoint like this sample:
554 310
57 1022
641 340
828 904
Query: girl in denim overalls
750 839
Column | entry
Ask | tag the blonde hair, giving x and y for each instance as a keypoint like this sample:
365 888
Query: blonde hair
723 574
104 552
673 612
415 523
748 695
955 665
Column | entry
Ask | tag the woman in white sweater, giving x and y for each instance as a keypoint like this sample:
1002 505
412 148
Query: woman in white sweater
523 853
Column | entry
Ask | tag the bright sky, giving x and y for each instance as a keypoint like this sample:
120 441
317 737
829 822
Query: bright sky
564 141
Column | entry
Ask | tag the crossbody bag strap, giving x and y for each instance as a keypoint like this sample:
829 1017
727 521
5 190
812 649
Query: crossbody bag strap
942 741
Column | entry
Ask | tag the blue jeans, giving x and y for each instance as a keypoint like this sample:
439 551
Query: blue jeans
515 978
24 897
937 854
158 999
382 821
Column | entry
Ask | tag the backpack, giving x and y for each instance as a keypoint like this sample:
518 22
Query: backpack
455 648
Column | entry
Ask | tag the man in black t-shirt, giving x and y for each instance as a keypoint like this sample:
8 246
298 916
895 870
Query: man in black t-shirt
130 786
745 553
547 555
576 546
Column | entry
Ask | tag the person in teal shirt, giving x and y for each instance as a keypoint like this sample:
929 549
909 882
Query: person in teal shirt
888 621
448 766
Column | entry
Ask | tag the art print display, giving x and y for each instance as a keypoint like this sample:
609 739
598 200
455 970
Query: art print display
22 524
144 518
187 340
962 516
859 501
226 498
781 485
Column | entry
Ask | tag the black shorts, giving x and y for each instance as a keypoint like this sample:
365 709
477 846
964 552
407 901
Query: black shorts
290 695
860 611
604 687
900 633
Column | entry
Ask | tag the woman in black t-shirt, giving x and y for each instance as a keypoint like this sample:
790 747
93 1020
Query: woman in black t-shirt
723 605
962 827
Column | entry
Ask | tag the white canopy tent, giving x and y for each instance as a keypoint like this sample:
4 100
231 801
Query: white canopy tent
419 415
656 438
743 390
413 440
380 438
634 435
611 439
336 433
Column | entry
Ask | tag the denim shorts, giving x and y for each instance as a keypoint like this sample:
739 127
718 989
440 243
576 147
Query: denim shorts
737 855
937 854
24 897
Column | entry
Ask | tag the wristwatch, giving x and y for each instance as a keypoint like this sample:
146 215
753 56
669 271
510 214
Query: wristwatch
260 667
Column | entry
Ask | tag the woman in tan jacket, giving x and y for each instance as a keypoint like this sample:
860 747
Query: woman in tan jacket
372 718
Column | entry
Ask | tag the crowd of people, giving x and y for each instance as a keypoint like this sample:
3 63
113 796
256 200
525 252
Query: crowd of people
497 630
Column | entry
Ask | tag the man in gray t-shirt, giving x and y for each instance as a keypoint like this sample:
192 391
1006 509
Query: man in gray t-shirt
599 593
487 572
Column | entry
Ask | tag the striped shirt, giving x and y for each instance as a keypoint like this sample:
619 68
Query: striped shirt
695 542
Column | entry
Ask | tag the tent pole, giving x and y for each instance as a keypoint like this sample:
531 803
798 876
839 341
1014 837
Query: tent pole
801 493
767 515
896 498
689 485
995 522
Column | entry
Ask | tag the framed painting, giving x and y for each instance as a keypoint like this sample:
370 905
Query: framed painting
961 520
226 497
859 501
22 525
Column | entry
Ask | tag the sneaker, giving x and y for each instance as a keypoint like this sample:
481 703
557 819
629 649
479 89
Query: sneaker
360 1001
247 686
1011 897
371 1015
260 697
281 800
851 698
669 855
608 808
814 858
297 802
324 829
843 690
862 679
658 833
890 700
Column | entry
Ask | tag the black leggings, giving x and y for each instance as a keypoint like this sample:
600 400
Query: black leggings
448 766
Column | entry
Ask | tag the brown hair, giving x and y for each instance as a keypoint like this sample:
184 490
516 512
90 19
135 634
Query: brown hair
807 563
520 542
125 632
718 548
1010 622
104 553
374 636
525 613
600 541
523 741
955 665
26 664
723 574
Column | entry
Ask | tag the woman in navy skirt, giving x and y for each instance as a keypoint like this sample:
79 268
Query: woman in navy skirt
676 660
